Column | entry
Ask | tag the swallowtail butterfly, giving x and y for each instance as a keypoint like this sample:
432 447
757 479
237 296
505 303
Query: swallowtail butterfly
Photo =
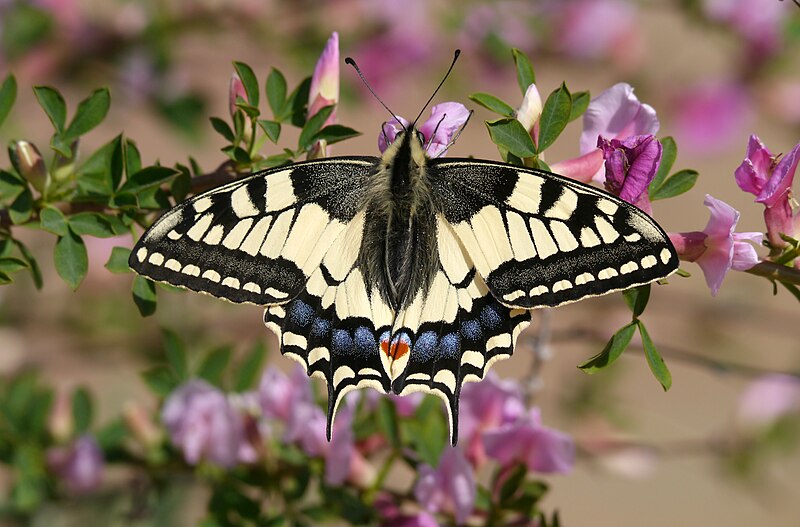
403 273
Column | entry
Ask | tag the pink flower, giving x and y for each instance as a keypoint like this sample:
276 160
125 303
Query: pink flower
718 248
280 395
324 89
771 183
768 399
202 423
526 441
614 114
79 465
484 406
236 91
405 405
759 23
437 131
591 29
451 486
711 116
631 165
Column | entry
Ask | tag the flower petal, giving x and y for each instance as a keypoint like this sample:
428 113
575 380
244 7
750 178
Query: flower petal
752 174
744 254
780 182
581 168
445 120
389 132
615 114
324 89
531 108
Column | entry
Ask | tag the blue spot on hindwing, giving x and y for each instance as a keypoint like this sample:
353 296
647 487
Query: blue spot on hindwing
320 328
301 313
471 330
365 341
425 346
450 345
490 317
341 341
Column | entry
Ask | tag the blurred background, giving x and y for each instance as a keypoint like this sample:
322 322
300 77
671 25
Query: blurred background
716 71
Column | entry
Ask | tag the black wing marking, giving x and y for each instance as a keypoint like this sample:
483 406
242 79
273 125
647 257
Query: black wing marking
255 240
334 326
539 239
452 333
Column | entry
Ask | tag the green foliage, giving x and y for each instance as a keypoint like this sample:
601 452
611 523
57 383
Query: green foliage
525 74
555 116
510 135
654 360
8 94
612 350
494 104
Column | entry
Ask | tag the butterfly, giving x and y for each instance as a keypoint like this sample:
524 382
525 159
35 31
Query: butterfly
403 273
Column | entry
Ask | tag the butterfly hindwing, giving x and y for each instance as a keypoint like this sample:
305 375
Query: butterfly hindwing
258 239
539 239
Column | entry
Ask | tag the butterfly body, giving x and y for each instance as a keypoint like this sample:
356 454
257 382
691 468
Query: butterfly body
403 273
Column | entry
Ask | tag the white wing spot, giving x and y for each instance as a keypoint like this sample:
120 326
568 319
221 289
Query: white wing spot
318 354
156 259
419 377
520 238
563 208
234 238
584 278
274 293
231 282
564 238
649 261
174 235
202 204
545 245
293 339
539 290
527 194
628 268
173 265
141 254
607 206
607 273
253 242
199 229
510 297
607 232
252 287
342 373
473 358
242 204
191 270
562 285
502 340
212 275
665 255
447 378
589 238
632 238
214 235
280 194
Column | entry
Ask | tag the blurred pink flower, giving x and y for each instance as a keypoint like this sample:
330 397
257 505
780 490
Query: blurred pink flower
717 249
405 405
79 465
324 89
526 441
391 515
631 165
759 23
593 29
236 91
450 487
437 131
614 114
506 20
484 406
712 116
279 395
771 182
768 399
202 423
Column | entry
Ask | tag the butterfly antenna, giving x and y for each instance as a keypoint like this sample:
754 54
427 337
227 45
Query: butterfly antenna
351 62
455 137
455 58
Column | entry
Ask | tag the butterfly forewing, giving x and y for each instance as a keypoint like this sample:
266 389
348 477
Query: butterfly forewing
541 240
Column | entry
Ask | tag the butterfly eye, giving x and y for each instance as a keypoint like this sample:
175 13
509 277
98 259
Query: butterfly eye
419 136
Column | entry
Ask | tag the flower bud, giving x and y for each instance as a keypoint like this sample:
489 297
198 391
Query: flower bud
235 91
531 108
60 422
141 425
27 160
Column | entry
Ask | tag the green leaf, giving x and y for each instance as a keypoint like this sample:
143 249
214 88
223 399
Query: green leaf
11 185
52 220
213 366
12 265
250 368
555 116
112 436
387 421
36 272
637 298
21 208
95 224
53 105
611 352
8 94
223 129
133 159
176 355
71 259
494 104
296 105
276 92
148 177
144 295
237 154
82 410
271 128
428 431
669 152
313 126
580 101
333 133
509 134
100 175
677 184
249 81
5 279
118 261
513 482
91 112
525 74
654 360
160 379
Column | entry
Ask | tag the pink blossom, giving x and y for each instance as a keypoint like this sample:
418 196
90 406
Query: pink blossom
280 395
485 406
591 29
450 487
759 23
631 165
202 423
437 131
504 19
79 465
236 91
770 180
718 248
711 116
526 441
324 89
614 114
392 516
768 399
405 405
